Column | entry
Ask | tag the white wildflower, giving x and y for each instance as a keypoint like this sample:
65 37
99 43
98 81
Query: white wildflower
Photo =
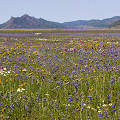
99 111
37 33
104 105
8 72
4 74
98 107
68 104
4 69
47 94
110 104
88 107
20 89
84 104
93 109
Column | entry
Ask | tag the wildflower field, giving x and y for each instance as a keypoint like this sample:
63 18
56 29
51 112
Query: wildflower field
60 74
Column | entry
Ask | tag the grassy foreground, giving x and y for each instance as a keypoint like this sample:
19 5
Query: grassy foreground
60 76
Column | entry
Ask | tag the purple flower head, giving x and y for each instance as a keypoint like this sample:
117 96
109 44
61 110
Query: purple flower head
100 113
18 57
116 55
76 86
103 54
83 108
6 106
65 49
73 72
1 67
9 113
109 96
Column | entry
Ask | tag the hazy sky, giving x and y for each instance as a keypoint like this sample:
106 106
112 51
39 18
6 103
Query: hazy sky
60 10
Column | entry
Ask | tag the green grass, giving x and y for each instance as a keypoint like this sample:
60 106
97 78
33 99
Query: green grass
65 77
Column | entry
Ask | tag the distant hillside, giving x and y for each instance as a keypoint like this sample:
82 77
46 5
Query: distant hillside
93 23
115 24
28 22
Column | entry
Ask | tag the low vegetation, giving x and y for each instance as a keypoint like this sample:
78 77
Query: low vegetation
60 75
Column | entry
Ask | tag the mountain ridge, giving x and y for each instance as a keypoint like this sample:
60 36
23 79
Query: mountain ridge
30 22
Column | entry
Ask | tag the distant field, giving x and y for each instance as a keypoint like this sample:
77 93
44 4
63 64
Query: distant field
60 74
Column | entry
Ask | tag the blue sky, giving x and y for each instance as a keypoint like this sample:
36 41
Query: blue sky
60 10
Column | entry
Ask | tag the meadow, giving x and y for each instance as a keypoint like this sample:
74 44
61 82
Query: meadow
60 74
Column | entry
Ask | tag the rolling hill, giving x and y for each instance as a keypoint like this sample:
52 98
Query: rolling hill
115 24
93 23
